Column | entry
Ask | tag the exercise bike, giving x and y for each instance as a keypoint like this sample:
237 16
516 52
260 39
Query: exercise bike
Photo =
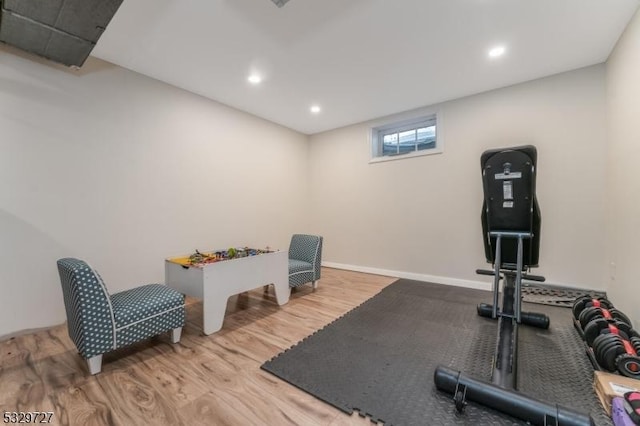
511 228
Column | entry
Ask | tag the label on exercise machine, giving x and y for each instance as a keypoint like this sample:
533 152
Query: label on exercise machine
507 190
503 176
507 204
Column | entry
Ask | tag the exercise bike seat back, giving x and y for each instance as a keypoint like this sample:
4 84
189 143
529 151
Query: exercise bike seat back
510 205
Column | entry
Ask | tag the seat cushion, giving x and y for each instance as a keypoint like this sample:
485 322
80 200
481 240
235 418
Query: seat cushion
296 266
143 302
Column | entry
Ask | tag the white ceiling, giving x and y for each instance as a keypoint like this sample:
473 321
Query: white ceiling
357 59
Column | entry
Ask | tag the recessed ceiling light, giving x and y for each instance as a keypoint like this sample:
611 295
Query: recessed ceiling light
315 109
254 79
497 51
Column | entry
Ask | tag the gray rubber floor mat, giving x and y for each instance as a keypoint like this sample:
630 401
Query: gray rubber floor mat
379 358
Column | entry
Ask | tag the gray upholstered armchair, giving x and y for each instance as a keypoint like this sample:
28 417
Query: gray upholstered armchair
305 255
99 322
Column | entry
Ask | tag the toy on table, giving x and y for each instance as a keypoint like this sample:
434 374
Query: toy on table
199 258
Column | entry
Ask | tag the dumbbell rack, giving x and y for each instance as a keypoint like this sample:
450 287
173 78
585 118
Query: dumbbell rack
587 348
593 333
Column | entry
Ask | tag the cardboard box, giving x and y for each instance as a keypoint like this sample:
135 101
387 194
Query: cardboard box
607 386
603 401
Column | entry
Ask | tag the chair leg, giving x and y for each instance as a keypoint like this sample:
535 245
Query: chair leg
314 284
95 364
175 334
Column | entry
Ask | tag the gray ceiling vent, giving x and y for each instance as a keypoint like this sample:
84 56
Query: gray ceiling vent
64 31
280 3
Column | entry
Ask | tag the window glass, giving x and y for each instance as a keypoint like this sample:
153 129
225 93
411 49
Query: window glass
406 137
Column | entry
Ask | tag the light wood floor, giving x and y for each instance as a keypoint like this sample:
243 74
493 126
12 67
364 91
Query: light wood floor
207 380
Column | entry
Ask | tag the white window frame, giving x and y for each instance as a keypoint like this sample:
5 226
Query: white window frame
378 130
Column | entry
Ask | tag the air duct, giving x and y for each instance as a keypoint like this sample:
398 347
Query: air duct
280 3
64 31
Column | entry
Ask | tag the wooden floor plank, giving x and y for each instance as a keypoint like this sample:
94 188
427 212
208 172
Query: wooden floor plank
204 380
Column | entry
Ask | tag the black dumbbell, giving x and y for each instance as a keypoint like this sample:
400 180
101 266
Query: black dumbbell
593 312
601 342
629 365
616 353
607 350
602 326
587 301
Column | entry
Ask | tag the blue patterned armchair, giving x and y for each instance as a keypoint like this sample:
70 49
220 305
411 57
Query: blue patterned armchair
99 322
305 255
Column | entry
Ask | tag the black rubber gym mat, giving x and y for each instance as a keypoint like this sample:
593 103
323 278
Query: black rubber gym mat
379 358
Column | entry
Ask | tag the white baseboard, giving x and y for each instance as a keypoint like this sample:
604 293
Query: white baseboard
479 285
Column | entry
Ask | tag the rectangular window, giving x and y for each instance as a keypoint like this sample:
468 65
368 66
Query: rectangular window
408 138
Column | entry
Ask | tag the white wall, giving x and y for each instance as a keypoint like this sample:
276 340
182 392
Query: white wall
623 219
420 217
122 170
